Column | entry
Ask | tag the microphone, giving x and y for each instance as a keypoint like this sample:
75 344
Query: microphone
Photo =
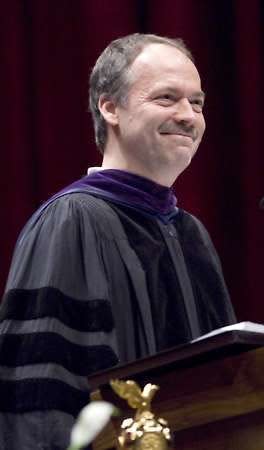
261 203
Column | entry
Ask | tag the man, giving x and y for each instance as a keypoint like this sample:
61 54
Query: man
109 269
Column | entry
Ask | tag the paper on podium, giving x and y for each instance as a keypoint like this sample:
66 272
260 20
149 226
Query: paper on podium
250 327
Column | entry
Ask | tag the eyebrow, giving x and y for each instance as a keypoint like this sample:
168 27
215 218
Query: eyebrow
199 94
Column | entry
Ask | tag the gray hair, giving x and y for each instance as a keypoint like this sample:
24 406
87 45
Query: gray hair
110 74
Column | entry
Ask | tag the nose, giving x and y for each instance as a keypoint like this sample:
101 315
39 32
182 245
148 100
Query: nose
184 111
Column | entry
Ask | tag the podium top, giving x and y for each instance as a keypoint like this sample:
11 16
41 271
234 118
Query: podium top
227 341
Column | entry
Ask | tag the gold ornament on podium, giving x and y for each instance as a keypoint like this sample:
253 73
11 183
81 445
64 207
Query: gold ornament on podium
144 431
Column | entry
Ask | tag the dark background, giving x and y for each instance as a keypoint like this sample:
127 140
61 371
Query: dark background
47 49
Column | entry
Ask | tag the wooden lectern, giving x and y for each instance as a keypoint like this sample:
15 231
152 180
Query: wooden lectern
211 392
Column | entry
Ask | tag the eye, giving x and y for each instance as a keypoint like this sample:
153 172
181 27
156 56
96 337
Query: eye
165 99
197 104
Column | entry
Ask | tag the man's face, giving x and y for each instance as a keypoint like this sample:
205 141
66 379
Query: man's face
161 123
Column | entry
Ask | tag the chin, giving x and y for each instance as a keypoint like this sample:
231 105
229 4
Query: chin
183 153
175 165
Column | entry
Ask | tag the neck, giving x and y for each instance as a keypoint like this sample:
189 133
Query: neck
164 178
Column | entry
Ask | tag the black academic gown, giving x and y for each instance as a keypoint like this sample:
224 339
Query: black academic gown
77 301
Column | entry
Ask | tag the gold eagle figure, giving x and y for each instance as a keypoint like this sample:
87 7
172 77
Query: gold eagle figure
144 431
131 391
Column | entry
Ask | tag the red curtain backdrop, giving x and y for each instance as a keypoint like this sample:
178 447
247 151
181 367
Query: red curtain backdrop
47 50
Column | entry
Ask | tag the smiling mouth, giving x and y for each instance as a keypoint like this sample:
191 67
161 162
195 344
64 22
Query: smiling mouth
178 134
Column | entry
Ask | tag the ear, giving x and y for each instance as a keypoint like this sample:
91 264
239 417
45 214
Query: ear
108 110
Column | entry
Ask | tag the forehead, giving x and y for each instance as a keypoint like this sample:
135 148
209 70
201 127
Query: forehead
160 63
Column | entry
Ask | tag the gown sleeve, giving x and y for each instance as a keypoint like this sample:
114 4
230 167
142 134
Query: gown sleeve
56 326
215 307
